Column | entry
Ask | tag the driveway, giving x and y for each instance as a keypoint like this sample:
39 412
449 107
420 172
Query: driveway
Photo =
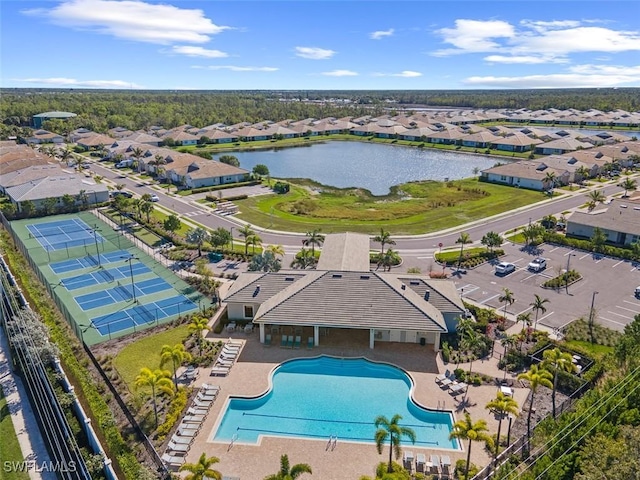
608 282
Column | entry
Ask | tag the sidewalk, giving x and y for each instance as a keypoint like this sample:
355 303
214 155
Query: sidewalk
24 421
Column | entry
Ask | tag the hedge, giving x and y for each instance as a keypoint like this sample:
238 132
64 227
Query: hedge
471 260
567 278
176 407
227 199
213 188
580 244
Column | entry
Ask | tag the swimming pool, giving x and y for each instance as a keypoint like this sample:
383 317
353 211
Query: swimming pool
323 396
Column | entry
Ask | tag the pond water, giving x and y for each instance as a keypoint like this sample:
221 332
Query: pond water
371 166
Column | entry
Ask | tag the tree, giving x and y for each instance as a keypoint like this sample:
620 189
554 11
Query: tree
197 236
384 238
491 240
532 232
83 198
172 223
289 473
138 153
27 207
536 377
605 457
176 355
549 222
393 431
315 239
582 173
159 381
265 262
261 170
549 180
629 184
538 306
388 259
229 160
596 196
277 250
246 232
220 237
598 239
147 207
474 432
463 239
502 406
304 259
555 361
507 298
202 469
49 205
253 240
197 326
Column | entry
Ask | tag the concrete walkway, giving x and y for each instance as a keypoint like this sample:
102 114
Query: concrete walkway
24 421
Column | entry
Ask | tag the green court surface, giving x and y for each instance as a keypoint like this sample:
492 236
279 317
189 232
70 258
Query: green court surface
104 285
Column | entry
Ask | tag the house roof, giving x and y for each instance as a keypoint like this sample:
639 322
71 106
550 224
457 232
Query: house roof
54 186
565 144
24 175
209 168
535 170
55 115
346 252
95 140
621 215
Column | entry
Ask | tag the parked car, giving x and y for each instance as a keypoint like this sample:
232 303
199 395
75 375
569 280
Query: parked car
637 292
121 194
504 268
155 198
537 264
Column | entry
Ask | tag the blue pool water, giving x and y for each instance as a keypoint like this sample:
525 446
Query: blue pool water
324 396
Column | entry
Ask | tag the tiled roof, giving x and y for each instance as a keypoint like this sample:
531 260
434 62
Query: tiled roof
619 216
345 251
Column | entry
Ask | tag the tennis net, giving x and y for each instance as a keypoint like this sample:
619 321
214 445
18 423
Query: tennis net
124 291
50 232
148 316
106 275
92 259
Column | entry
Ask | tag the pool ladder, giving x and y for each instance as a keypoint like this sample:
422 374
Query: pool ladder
331 444
233 440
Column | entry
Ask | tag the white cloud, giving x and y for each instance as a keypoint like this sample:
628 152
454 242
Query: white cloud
133 20
193 51
340 73
593 76
404 73
314 53
72 82
474 36
606 69
235 68
527 59
377 35
534 42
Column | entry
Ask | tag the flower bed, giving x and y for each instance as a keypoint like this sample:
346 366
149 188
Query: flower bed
566 279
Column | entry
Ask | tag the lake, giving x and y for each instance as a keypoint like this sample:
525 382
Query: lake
370 166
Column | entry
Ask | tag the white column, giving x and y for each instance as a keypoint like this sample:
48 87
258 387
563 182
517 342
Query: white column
372 338
261 332
316 335
436 344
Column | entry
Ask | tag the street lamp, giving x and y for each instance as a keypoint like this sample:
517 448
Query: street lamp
591 316
509 431
95 238
232 239
567 273
133 286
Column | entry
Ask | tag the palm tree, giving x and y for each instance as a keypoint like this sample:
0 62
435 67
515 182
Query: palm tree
538 306
555 361
197 236
629 184
198 325
536 377
507 298
289 473
501 406
138 153
245 232
390 429
388 259
304 259
314 238
253 240
550 178
202 469
383 239
463 239
582 173
276 250
491 240
158 380
596 196
265 262
474 432
147 207
176 355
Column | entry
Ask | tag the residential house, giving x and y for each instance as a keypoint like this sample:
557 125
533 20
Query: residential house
479 140
619 221
560 146
145 138
515 143
43 136
533 175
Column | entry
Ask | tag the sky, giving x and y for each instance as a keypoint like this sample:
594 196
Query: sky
319 44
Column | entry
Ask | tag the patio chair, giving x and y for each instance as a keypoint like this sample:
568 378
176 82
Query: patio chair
420 462
290 341
457 388
283 341
310 343
443 376
231 327
435 464
267 340
222 362
175 447
177 439
220 371
445 463
297 341
197 411
209 389
193 419
232 343
407 460
206 397
188 430
446 382
248 328
173 460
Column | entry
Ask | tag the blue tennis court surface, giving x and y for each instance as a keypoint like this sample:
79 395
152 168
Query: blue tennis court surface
64 234
142 314
86 262
121 293
104 276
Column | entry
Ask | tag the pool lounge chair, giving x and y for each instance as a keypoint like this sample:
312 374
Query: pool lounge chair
290 341
267 340
445 463
297 341
446 382
202 404
231 342
220 371
193 419
188 430
223 362
407 460
177 439
173 460
209 389
197 411
421 460
178 447
457 388
310 343
435 464
205 398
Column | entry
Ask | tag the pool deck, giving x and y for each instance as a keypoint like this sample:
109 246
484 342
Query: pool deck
249 376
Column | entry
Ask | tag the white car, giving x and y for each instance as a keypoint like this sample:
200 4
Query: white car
537 264
504 268
155 198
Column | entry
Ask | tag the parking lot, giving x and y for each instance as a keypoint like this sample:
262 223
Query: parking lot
614 280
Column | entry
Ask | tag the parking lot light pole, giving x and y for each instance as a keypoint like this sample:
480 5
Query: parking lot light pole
567 273
591 317
95 238
133 285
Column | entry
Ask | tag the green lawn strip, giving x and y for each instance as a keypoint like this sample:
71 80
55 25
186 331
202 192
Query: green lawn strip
9 447
517 238
597 352
433 206
146 353
161 216
454 255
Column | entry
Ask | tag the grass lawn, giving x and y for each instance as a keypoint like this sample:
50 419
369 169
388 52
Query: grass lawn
517 238
454 255
146 353
9 446
158 215
411 208
596 351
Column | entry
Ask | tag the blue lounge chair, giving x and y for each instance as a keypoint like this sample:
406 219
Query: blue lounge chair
290 341
267 340
310 343
297 342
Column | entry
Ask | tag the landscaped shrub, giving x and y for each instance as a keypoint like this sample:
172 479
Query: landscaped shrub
469 259
567 278
214 188
579 330
176 407
618 252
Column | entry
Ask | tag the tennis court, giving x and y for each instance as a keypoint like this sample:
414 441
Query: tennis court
88 261
62 234
104 276
142 315
121 293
